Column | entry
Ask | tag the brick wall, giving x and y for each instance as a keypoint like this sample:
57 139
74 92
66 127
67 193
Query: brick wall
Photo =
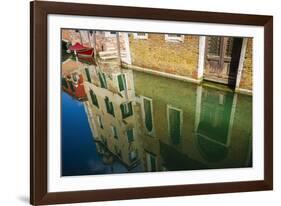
246 79
180 58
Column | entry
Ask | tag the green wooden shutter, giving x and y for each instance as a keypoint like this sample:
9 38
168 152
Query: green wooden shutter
122 108
147 114
130 109
121 82
153 163
88 75
130 135
106 104
94 98
175 123
71 86
109 106
64 83
102 79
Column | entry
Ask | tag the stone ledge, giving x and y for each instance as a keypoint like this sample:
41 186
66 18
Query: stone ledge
163 74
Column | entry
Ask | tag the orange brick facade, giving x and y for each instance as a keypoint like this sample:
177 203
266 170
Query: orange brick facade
180 58
247 74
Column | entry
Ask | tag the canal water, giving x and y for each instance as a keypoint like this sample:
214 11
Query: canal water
177 126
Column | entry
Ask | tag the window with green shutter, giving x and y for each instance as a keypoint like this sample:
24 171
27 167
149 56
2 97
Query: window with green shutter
130 135
174 118
102 79
121 82
109 106
151 162
114 132
64 83
147 106
100 122
94 98
126 109
71 86
88 75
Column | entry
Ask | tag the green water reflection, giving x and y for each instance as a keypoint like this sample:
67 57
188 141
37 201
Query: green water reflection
150 123
195 127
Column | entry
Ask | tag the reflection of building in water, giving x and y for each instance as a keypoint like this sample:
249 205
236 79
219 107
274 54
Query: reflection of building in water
200 128
72 79
110 91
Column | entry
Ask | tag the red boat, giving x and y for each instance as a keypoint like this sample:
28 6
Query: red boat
83 53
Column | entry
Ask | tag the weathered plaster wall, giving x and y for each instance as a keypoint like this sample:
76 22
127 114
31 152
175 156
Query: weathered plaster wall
180 58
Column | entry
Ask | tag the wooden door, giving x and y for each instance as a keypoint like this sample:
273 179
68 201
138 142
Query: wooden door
222 59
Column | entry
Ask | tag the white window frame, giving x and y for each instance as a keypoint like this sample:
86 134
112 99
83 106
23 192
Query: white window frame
126 82
134 134
104 76
135 151
113 131
174 38
168 118
137 36
100 121
127 105
148 161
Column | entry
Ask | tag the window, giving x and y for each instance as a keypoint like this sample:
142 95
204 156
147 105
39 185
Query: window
100 121
71 86
114 132
126 109
150 162
94 98
140 35
174 124
110 34
121 82
102 79
88 75
174 37
214 46
133 155
75 77
64 83
130 135
109 106
147 112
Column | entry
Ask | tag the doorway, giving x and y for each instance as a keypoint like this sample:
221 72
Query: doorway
222 59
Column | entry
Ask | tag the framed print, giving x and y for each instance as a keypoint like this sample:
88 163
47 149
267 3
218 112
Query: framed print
133 102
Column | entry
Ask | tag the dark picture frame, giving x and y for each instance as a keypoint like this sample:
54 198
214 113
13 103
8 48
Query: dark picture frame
39 109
